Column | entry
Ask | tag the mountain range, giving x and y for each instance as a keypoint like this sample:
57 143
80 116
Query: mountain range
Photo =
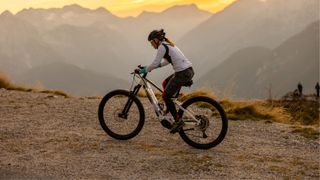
90 39
259 72
243 24
21 45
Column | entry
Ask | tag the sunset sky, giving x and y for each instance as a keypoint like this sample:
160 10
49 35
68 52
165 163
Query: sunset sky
118 7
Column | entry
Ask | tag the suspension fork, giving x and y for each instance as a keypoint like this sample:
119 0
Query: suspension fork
133 93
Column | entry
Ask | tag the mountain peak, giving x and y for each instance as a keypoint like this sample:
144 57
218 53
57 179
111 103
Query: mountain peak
190 8
101 10
6 14
178 9
75 8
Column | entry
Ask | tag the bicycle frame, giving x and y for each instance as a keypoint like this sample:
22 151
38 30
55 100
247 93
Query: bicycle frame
146 84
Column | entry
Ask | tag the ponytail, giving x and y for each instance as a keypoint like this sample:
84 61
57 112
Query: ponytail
169 41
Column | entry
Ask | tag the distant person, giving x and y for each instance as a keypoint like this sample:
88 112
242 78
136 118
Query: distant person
171 54
295 93
300 89
317 89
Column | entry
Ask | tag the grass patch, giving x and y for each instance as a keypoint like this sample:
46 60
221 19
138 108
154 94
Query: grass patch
254 110
304 112
301 112
199 92
243 110
307 132
4 81
269 111
6 84
247 112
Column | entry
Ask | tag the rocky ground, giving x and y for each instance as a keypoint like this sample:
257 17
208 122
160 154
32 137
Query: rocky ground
43 136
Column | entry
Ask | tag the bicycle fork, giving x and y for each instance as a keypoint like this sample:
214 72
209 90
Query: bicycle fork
124 113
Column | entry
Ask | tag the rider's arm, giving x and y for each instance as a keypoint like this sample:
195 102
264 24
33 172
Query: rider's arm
157 61
164 63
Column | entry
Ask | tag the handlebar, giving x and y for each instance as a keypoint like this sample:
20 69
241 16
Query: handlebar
137 71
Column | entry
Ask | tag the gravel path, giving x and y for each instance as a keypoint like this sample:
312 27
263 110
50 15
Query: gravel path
48 137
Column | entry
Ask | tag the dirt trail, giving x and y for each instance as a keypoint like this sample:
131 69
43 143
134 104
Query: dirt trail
47 137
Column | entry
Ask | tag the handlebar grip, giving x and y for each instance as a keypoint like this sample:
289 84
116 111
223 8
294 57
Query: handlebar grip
137 71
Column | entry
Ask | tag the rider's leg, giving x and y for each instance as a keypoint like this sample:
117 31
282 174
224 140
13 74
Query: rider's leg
165 97
172 86
175 83
165 82
170 105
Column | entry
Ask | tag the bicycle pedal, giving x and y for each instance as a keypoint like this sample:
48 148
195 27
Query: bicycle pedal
165 123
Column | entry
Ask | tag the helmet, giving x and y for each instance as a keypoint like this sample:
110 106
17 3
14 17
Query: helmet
159 34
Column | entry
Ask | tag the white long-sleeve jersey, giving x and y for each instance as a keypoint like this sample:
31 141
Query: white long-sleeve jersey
179 61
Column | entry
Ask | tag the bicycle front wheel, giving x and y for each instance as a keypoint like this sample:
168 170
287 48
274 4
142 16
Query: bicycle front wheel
121 115
213 123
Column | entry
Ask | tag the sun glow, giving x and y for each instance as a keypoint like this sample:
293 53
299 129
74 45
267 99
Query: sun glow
120 8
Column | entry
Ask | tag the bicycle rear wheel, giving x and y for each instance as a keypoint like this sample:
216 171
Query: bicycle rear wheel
213 127
114 121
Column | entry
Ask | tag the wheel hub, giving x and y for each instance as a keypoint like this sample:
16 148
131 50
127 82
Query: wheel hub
119 116
204 122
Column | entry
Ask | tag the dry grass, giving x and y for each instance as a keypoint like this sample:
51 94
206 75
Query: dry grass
254 110
305 112
6 84
142 93
4 81
199 92
242 110
307 132
289 112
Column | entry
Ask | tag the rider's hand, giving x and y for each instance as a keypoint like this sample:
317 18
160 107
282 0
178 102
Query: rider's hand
143 70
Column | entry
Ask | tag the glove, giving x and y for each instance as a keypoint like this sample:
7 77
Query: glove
143 70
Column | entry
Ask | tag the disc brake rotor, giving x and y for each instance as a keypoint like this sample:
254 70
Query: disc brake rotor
204 122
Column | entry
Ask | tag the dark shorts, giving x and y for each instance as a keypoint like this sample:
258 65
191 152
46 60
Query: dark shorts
174 82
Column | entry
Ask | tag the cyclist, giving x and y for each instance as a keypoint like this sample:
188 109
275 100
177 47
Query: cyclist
183 72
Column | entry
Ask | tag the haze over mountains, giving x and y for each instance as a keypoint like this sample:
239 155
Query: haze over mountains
73 79
97 42
93 40
254 72
247 23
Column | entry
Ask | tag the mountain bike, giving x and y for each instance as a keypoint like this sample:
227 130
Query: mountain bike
122 116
